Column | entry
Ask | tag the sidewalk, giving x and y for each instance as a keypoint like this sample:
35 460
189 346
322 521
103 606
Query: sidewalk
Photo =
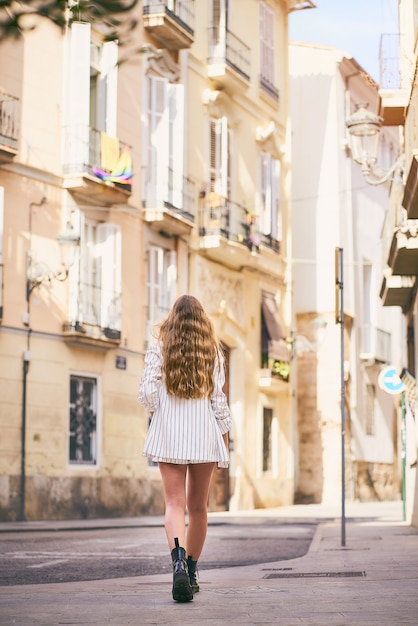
371 581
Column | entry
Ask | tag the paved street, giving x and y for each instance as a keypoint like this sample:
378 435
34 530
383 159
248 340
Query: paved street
372 580
96 554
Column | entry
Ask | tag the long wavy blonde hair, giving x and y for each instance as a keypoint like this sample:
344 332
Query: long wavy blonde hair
189 348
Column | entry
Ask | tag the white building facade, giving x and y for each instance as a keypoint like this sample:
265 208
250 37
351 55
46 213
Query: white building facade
333 207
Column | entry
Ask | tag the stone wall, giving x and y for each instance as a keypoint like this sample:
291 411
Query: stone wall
56 498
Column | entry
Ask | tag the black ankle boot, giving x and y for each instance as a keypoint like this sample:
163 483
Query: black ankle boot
182 591
193 577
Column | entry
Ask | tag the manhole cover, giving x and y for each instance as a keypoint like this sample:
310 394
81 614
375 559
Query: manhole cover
235 591
316 575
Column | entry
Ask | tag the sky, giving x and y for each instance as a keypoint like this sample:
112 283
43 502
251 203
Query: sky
352 26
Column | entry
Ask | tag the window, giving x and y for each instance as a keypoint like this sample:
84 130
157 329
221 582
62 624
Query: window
96 277
83 421
370 414
267 440
164 138
270 224
90 101
274 352
220 161
220 175
103 86
162 278
219 27
267 67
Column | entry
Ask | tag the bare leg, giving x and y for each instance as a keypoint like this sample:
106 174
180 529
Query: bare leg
198 483
174 483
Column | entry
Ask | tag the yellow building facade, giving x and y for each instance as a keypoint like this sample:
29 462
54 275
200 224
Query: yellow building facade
163 174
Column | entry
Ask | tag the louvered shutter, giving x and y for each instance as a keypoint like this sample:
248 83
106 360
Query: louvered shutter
155 263
170 279
159 135
224 156
276 226
176 149
109 272
109 85
74 276
77 97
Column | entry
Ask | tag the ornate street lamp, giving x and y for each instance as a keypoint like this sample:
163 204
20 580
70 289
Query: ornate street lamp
364 128
39 273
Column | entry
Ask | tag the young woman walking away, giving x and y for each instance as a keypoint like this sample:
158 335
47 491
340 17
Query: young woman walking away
181 387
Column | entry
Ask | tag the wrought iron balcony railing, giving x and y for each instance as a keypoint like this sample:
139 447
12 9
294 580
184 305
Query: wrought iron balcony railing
219 216
90 151
181 11
170 22
169 190
225 48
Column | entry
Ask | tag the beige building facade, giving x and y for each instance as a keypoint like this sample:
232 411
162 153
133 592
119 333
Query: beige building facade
334 208
168 173
399 281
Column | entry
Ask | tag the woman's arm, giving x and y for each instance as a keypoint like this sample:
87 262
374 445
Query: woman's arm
151 379
218 400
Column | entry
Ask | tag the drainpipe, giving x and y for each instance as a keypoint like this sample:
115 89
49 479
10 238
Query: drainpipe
26 360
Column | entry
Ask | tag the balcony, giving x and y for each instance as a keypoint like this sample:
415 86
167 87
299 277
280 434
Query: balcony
375 344
397 290
92 335
169 202
170 23
230 234
410 197
403 253
229 61
97 167
394 95
9 113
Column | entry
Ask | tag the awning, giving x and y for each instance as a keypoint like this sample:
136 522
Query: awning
277 346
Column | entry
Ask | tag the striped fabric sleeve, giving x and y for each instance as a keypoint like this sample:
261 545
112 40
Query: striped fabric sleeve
151 379
218 400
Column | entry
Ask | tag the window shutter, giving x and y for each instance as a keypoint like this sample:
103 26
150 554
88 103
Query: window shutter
74 278
76 112
109 256
266 43
224 148
171 279
159 147
276 226
146 139
109 85
265 216
213 156
219 154
176 110
219 29
155 263
269 209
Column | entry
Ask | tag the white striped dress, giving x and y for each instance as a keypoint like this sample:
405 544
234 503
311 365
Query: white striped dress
183 430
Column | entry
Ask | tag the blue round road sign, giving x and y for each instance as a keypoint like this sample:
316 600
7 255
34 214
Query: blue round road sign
389 380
